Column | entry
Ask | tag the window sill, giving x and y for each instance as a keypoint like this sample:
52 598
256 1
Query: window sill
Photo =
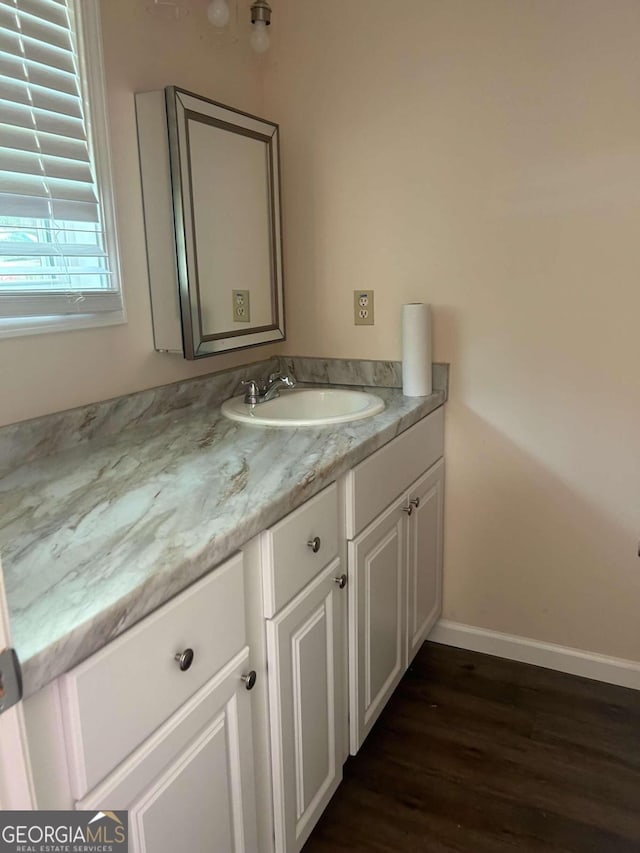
13 327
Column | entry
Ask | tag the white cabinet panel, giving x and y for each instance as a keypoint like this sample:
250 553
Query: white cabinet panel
134 684
374 483
305 652
191 785
377 609
313 672
204 822
395 565
424 593
289 561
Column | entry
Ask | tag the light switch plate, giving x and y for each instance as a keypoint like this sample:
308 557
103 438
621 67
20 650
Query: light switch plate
241 312
363 307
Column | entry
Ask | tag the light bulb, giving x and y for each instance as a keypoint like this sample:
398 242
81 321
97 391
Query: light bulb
259 39
218 13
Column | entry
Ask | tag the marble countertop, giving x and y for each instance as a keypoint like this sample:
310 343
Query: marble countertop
93 539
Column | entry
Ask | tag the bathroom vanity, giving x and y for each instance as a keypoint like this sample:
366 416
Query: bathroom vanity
222 717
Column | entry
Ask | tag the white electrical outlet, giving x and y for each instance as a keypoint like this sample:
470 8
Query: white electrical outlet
363 307
241 312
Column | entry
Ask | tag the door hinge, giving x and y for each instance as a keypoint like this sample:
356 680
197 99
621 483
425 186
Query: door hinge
10 680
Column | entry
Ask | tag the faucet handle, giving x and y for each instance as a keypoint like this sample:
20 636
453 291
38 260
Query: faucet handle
253 390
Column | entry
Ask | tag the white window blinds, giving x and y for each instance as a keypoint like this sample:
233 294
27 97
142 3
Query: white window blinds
53 241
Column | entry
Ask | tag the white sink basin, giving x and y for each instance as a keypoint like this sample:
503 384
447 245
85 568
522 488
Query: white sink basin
305 407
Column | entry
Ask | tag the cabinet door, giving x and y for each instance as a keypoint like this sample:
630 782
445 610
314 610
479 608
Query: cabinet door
377 627
191 785
424 589
305 648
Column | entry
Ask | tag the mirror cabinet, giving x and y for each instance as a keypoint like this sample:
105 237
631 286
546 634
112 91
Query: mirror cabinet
211 196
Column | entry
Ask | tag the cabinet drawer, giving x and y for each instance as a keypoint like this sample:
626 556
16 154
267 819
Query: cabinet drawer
119 696
289 562
375 483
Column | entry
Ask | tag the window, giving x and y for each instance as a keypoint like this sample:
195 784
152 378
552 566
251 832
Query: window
58 261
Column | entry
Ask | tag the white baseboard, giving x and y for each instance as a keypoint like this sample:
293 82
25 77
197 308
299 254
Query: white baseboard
625 673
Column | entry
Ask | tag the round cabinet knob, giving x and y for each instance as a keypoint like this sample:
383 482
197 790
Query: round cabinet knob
249 679
185 659
341 580
408 509
415 502
314 544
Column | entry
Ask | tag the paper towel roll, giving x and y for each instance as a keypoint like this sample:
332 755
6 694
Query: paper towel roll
416 349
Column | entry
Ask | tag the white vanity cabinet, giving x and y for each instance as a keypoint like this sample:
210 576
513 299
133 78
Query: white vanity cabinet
298 566
305 647
159 722
424 556
395 530
191 785
222 721
377 618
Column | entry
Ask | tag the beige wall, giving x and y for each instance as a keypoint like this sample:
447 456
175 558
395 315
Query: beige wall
483 155
478 154
46 373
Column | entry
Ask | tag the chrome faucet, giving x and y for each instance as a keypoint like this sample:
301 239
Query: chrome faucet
261 392
275 382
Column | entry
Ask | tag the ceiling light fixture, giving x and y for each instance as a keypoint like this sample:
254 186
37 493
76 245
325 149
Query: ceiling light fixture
260 21
218 13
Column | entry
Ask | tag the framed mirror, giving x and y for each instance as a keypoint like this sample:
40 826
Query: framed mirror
211 195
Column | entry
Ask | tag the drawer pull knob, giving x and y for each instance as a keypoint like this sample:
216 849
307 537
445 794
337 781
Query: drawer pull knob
408 509
185 659
249 679
314 544
341 580
415 502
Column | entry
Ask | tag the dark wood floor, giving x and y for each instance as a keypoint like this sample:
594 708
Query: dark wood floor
475 754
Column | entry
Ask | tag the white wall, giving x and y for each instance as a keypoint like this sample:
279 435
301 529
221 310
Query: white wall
52 372
483 155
